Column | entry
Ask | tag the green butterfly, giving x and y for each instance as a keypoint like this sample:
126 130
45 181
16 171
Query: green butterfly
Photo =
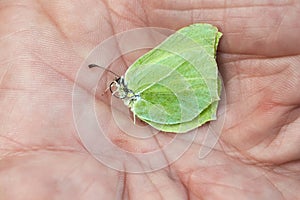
175 87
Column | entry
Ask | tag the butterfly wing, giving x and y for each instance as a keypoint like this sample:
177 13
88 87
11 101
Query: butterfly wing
178 79
206 115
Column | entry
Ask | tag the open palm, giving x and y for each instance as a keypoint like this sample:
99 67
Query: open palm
43 43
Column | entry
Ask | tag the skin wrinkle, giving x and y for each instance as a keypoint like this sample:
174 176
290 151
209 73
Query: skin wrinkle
70 79
124 185
73 170
263 75
140 21
143 4
240 123
36 149
286 191
156 189
119 15
279 136
279 129
53 22
240 62
262 90
12 34
187 184
245 158
114 31
280 22
281 194
12 89
160 147
284 170
10 65
14 5
248 57
239 75
156 192
45 63
226 5
186 190
231 186
4 74
273 137
227 186
283 127
228 58
177 182
232 152
73 40
192 13
21 147
88 187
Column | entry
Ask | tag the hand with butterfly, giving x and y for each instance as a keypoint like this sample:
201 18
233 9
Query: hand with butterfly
43 44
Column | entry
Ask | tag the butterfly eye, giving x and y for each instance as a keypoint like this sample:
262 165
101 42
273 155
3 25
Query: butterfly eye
112 86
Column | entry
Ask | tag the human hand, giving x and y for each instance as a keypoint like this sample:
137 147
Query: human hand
42 45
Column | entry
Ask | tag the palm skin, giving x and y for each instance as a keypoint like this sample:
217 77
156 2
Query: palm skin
42 46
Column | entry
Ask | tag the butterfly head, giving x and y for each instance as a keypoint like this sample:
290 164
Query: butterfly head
120 90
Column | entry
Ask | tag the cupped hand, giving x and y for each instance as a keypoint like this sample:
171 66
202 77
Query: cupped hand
42 45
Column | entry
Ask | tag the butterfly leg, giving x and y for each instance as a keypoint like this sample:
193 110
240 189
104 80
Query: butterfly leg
134 118
105 90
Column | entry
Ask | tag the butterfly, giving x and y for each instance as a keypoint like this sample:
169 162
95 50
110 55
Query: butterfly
174 87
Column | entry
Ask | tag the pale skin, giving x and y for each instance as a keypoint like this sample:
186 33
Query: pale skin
42 45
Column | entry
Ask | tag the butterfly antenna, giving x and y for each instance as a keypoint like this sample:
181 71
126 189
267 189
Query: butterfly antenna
94 65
